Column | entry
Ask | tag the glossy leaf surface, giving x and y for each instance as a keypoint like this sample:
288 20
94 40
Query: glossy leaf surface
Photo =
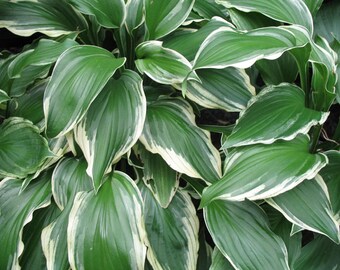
278 112
105 133
263 171
106 229
77 79
171 132
172 232
241 232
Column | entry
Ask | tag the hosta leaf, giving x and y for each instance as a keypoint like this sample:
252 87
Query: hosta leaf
33 256
134 14
209 8
162 17
227 89
108 13
321 253
104 135
219 262
240 231
331 176
308 206
22 149
204 251
283 228
227 47
161 64
283 69
105 230
52 18
327 21
3 96
30 105
172 232
168 120
187 41
288 11
80 74
69 177
46 52
159 178
263 171
278 112
313 5
16 212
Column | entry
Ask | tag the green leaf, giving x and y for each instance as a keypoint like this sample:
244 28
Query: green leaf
283 69
263 171
3 96
159 178
33 256
204 251
283 228
278 112
308 206
168 120
209 8
288 11
45 53
52 18
321 254
327 21
227 89
30 105
22 149
163 17
108 13
187 41
331 176
219 262
172 232
227 47
313 6
81 72
16 211
105 230
163 65
105 133
134 14
69 177
240 231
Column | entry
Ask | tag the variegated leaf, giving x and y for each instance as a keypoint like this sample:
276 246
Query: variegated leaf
219 262
22 148
108 13
207 9
162 181
227 47
163 17
308 206
288 11
263 171
80 74
3 96
45 53
240 231
134 14
69 177
278 112
52 18
171 132
172 232
16 211
163 65
106 229
105 133
227 89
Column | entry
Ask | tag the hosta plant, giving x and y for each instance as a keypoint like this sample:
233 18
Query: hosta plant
106 163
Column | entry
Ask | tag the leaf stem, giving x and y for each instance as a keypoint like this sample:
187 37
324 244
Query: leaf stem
315 134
